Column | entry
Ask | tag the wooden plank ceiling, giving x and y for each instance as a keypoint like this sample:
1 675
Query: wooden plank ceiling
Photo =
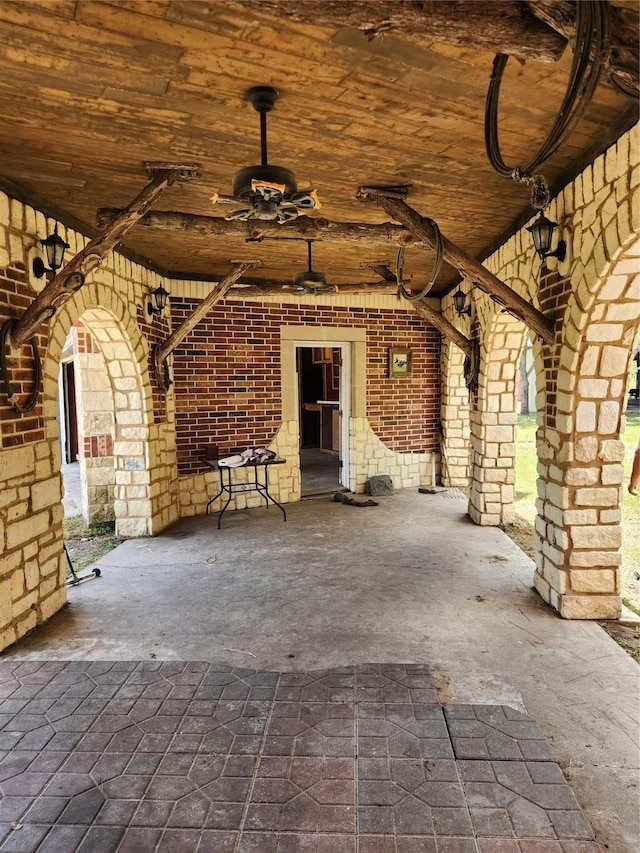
90 91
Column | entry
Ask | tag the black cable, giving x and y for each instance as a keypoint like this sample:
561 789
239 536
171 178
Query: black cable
402 291
589 55
4 371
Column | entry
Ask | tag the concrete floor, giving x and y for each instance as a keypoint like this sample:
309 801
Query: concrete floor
320 472
409 581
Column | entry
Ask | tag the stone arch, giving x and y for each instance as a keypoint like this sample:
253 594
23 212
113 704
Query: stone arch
579 444
125 353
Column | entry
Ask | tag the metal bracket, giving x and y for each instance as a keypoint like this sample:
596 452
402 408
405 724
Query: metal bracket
160 371
369 193
187 171
12 397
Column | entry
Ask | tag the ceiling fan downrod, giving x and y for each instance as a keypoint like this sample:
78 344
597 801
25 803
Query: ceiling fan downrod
263 100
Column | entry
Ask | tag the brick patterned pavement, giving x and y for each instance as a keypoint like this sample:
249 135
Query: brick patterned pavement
184 757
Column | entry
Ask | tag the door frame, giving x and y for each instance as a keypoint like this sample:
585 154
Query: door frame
344 398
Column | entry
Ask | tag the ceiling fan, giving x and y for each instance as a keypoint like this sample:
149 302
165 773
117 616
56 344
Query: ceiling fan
310 282
271 192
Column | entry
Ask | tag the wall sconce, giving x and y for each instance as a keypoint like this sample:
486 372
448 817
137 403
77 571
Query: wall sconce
459 299
542 231
160 296
55 248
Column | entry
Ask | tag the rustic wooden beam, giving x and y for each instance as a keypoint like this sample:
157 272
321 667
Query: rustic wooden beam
264 288
218 293
72 276
624 35
302 228
467 267
446 329
499 26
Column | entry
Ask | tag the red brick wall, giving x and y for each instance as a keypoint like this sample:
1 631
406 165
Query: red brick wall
97 446
227 376
20 429
554 293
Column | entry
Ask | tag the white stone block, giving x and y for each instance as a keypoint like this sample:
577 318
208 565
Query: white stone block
586 449
587 559
593 580
604 497
582 476
586 417
612 475
580 516
613 361
597 537
590 607
612 450
594 388
608 417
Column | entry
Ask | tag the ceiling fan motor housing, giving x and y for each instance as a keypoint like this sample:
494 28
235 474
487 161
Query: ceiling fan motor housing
310 277
243 179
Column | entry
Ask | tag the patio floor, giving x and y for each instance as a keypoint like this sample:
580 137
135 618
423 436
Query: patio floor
371 680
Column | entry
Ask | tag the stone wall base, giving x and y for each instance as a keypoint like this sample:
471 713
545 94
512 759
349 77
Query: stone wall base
590 606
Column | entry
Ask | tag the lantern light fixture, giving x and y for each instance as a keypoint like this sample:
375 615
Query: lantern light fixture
159 296
542 232
459 299
55 248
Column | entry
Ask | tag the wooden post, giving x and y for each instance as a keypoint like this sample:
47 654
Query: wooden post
467 267
447 329
304 228
72 276
218 293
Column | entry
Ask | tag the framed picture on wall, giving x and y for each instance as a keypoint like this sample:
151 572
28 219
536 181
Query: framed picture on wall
399 361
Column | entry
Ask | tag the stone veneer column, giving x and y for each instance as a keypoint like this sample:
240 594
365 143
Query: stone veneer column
493 427
581 472
454 416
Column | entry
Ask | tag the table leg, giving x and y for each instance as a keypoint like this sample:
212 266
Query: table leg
267 494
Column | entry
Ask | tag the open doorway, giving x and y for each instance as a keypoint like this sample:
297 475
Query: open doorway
322 416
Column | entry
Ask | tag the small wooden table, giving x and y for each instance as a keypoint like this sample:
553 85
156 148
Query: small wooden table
256 484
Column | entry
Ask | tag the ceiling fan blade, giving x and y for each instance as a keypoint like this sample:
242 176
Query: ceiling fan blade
311 290
247 213
306 201
217 198
286 214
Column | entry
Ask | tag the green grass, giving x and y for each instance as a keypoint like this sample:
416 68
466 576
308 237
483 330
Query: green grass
526 475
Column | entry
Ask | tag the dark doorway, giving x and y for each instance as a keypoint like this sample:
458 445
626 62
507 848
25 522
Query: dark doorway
69 413
319 371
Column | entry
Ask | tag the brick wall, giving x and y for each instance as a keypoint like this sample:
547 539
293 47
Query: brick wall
228 387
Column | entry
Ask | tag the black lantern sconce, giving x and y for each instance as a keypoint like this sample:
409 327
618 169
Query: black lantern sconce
459 299
55 248
542 232
160 296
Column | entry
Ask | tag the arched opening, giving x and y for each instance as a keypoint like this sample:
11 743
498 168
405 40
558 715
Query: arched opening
580 446
112 424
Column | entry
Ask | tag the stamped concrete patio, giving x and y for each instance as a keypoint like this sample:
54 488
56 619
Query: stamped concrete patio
355 679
